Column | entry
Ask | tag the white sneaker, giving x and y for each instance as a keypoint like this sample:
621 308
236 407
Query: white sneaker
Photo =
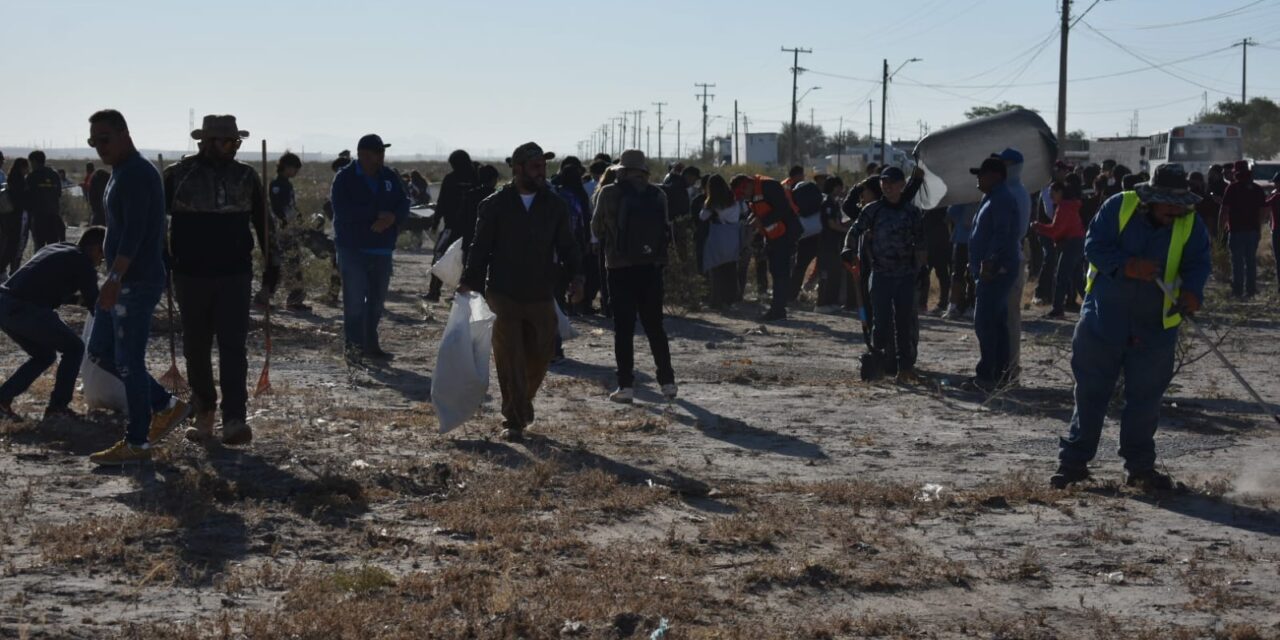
669 390
623 395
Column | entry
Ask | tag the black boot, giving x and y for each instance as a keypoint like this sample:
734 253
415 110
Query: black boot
1066 476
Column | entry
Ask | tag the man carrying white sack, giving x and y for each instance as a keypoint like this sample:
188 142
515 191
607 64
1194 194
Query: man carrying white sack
520 232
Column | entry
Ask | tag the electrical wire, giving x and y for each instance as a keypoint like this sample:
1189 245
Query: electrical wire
1157 66
1230 13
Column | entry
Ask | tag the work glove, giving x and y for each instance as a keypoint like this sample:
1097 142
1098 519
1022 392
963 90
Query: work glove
1188 303
1140 269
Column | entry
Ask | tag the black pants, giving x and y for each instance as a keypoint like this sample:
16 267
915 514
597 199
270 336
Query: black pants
638 291
10 243
781 253
724 285
806 251
47 228
832 276
938 263
216 307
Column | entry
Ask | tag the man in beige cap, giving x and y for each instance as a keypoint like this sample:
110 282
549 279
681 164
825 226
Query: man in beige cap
521 230
213 203
634 230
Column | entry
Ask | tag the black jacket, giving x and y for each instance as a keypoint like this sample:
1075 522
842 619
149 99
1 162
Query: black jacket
53 276
98 191
515 251
16 190
44 192
211 206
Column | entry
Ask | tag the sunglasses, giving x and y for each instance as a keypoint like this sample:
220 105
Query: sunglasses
94 142
235 142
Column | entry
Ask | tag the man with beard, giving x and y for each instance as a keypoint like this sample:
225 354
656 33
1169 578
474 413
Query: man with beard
214 203
520 232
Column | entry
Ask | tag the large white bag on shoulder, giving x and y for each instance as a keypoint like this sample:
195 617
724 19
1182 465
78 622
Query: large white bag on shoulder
461 377
101 390
449 267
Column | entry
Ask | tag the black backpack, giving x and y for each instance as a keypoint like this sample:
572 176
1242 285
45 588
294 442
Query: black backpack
642 227
808 198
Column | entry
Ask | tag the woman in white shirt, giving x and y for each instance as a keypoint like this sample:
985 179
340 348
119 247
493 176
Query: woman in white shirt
720 257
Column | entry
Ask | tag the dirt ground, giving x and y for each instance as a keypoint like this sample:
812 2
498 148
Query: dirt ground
778 497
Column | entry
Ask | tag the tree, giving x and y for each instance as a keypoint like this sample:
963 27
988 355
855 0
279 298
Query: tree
810 141
1259 120
1078 134
983 111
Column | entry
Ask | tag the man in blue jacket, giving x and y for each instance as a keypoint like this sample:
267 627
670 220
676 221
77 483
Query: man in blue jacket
369 204
995 266
1013 162
1129 325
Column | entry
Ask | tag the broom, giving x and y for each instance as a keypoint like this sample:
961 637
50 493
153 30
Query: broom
172 379
264 379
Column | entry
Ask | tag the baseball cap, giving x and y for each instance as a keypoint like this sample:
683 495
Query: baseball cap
528 151
1010 155
371 141
892 174
992 164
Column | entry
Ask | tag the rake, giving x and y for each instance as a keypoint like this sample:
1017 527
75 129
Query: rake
1195 328
264 379
172 379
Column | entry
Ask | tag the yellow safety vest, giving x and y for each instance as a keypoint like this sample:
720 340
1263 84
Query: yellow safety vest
1181 234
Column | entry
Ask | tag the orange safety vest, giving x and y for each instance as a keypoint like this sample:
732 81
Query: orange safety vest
760 209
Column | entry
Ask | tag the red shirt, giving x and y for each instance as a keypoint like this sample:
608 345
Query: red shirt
1067 224
1244 202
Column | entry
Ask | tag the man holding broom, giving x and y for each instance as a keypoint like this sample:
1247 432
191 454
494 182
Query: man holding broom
212 201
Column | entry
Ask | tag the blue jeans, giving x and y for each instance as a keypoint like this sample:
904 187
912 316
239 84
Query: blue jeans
1097 367
1070 255
365 278
893 319
991 324
118 344
42 334
1244 262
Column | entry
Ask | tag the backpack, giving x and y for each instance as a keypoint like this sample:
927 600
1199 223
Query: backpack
642 227
808 198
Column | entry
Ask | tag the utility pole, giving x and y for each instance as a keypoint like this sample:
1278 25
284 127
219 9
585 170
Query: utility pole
704 86
648 141
795 86
639 113
871 132
1244 65
840 142
884 99
659 105
1062 78
678 149
811 117
735 132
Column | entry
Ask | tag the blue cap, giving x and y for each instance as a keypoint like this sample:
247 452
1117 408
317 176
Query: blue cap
1011 155
371 141
892 174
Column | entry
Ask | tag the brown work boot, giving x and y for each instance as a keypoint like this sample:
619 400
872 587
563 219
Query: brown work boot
201 429
236 432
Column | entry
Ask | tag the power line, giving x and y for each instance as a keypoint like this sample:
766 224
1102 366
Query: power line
1230 13
1157 66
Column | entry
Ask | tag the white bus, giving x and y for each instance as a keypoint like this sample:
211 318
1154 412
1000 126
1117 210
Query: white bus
1196 146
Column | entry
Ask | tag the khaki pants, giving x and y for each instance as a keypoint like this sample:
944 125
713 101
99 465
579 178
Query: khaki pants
524 341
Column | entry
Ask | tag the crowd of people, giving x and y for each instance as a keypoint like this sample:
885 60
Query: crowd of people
1097 240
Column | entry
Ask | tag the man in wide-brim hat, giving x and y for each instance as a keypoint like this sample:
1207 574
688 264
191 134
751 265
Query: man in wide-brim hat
214 204
1141 242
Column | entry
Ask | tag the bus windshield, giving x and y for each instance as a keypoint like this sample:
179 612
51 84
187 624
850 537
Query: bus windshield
1205 150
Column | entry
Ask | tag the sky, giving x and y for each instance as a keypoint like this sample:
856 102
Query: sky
431 76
